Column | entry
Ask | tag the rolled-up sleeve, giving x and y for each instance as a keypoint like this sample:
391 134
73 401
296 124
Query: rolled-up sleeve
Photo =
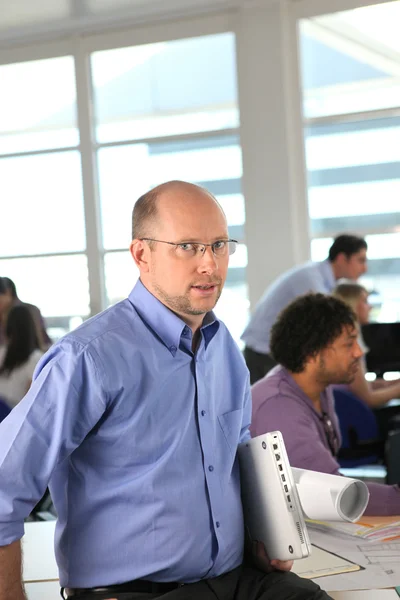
66 400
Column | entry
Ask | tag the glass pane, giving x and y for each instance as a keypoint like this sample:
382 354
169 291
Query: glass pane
121 275
41 209
58 285
349 60
354 176
353 144
167 88
233 308
38 105
126 172
352 199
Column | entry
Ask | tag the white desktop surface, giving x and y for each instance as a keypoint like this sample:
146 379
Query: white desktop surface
39 563
43 590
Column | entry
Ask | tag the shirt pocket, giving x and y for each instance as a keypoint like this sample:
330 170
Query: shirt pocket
231 425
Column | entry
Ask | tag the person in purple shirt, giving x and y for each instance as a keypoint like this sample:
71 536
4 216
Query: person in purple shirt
134 420
314 342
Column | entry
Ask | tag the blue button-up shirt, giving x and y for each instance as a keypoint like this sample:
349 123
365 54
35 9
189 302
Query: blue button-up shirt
138 438
310 277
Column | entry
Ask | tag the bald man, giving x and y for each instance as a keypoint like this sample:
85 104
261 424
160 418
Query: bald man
133 421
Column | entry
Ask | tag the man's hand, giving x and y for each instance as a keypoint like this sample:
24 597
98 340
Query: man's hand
262 561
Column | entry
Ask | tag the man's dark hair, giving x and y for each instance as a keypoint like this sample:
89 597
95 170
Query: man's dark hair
306 326
346 244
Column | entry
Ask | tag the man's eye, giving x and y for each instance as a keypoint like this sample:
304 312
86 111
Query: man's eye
219 245
186 247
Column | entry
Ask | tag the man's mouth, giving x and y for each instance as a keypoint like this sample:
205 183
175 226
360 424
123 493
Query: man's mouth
207 286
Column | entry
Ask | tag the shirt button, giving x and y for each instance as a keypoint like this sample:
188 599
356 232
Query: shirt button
217 523
203 412
173 349
211 468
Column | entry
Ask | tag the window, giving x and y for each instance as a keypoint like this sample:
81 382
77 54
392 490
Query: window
154 94
161 111
48 120
353 157
43 242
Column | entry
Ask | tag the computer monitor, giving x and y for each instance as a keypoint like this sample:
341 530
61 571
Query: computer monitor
383 341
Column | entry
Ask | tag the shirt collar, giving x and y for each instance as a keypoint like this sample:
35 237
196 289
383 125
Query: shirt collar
326 271
166 324
299 393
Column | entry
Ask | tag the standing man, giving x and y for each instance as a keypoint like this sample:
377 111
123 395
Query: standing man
134 419
315 343
347 259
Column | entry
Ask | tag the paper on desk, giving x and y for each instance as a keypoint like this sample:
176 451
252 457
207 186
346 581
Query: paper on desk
321 563
365 595
385 531
381 562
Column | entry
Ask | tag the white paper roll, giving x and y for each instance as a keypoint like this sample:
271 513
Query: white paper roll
330 497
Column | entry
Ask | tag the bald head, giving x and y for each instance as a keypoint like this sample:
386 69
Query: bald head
165 199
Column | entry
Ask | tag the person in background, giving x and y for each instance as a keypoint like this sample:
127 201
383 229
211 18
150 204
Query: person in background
379 392
9 298
19 356
135 418
347 259
315 343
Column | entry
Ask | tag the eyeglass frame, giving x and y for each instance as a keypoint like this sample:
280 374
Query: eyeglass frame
177 244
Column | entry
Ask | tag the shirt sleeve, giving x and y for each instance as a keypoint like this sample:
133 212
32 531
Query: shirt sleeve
245 430
66 400
310 281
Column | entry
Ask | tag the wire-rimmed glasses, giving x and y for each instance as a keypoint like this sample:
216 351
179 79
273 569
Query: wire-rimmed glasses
219 248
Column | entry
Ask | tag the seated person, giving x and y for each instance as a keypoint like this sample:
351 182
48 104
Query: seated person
19 356
377 393
8 299
315 343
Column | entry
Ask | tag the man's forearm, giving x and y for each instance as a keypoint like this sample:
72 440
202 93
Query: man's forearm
11 587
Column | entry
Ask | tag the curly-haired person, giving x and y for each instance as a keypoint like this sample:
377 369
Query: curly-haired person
314 342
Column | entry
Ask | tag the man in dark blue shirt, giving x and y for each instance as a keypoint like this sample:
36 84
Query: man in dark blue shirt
134 420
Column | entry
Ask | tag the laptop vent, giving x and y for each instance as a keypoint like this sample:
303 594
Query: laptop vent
300 532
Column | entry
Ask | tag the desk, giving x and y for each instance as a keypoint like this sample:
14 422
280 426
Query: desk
40 590
40 572
381 562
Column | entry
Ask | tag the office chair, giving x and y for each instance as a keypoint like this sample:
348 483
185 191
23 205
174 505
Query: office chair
361 441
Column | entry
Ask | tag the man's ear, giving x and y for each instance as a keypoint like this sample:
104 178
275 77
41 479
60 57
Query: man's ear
313 360
140 253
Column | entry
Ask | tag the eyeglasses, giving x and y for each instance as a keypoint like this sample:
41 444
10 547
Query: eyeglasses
330 433
191 249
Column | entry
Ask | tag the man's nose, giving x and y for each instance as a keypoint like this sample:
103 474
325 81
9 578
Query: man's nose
207 261
358 352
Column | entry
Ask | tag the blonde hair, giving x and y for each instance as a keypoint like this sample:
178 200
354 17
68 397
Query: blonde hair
350 293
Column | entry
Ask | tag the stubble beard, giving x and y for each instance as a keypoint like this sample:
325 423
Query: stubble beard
332 378
182 304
